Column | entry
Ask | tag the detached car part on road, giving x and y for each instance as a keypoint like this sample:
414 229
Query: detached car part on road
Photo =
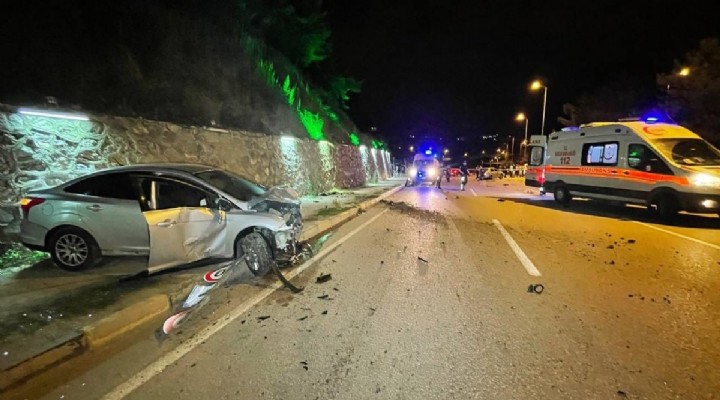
174 213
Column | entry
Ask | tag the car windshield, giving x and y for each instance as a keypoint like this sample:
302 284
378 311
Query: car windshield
423 163
234 185
690 151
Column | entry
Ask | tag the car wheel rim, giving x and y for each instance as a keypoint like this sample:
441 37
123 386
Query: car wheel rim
71 250
251 258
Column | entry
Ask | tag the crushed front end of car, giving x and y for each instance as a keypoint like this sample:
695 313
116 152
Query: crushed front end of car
284 203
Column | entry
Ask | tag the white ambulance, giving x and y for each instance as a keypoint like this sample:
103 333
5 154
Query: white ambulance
662 166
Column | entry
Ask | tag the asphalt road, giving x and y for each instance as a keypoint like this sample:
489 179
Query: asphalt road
429 300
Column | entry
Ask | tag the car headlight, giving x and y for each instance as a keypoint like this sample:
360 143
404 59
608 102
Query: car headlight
431 172
413 171
705 180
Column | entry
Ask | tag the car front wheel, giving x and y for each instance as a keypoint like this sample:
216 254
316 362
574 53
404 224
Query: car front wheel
254 249
73 249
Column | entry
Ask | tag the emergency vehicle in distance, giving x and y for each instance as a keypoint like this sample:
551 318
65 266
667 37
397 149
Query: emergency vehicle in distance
425 168
663 166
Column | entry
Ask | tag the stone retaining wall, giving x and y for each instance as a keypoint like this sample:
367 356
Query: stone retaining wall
40 151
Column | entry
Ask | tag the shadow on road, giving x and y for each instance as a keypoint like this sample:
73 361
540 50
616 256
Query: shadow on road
621 212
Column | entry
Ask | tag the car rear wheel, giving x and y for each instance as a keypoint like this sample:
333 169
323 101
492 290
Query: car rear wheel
254 249
562 195
73 249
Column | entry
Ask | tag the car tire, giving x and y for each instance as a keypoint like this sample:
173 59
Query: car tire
254 249
73 249
562 195
667 207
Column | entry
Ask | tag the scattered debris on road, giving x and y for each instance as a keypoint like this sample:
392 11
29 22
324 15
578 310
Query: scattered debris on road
501 200
536 288
323 278
622 394
611 247
325 297
631 241
324 312
302 318
263 317
304 365
360 210
422 259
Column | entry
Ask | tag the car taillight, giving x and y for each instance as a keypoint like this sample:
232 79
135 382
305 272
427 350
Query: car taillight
29 202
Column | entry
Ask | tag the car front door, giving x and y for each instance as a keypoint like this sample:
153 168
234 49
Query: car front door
184 223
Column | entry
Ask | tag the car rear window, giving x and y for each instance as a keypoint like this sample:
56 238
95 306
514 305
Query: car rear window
114 186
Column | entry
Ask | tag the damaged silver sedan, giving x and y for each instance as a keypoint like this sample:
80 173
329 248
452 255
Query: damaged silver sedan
174 213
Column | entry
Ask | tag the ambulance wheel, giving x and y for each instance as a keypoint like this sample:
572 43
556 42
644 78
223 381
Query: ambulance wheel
562 195
667 207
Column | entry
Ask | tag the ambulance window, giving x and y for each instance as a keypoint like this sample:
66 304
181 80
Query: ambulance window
642 158
536 155
600 154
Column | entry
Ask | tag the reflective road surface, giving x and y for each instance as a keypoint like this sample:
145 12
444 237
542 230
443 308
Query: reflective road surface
432 296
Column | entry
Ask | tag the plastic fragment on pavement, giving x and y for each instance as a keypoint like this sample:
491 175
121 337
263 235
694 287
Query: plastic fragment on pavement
323 278
536 288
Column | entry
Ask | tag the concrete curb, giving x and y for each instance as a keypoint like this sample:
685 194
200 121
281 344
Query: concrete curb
135 316
325 225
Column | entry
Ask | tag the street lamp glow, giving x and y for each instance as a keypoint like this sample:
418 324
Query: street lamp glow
465 154
685 71
520 117
446 151
536 85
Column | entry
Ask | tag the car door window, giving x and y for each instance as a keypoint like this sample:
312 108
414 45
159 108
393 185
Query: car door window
174 194
605 153
113 185
642 158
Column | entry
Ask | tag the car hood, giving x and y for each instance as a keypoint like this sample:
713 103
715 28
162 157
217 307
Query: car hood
276 194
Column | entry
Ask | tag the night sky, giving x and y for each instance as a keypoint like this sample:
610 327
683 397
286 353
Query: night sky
462 68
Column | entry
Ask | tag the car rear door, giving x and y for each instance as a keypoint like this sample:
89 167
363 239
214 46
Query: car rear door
184 223
109 209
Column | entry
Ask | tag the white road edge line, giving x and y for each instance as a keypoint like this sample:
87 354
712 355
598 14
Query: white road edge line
524 260
155 368
473 192
692 239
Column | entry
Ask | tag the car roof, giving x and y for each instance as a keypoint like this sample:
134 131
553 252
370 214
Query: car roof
159 167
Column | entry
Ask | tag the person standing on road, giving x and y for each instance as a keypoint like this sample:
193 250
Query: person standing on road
464 173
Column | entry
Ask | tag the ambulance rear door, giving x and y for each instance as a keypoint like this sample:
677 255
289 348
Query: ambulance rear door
537 151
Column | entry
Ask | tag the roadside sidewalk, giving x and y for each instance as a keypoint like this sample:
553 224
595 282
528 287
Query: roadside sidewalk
48 315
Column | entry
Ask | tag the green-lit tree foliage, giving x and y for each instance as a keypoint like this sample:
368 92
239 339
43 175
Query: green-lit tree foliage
342 86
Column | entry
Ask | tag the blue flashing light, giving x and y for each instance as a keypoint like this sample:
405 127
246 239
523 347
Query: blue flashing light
570 129
656 116
428 152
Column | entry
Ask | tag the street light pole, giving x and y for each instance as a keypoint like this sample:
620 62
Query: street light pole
537 85
512 152
542 127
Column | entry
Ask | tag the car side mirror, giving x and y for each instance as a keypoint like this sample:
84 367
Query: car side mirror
224 204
